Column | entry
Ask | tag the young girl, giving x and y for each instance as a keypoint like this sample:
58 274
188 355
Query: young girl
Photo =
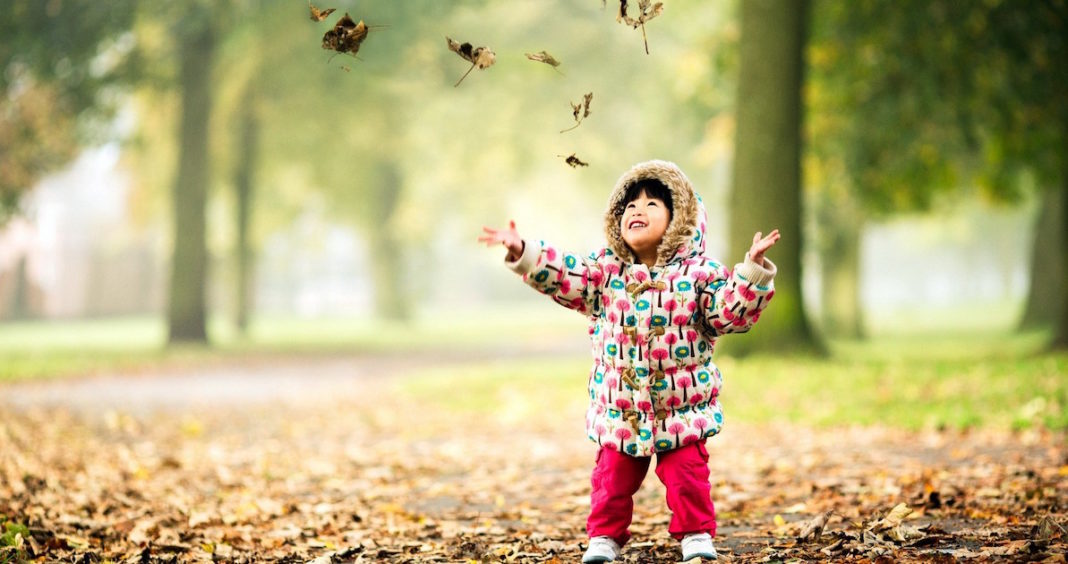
656 305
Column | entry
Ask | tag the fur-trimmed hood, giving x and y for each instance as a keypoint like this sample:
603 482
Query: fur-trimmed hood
685 235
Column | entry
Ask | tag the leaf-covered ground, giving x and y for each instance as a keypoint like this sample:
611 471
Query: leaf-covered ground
331 461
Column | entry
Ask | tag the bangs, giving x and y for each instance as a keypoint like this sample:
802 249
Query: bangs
652 187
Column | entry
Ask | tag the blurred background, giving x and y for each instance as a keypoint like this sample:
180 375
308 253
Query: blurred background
195 172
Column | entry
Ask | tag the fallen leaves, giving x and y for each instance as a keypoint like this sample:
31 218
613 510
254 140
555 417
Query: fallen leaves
481 57
580 111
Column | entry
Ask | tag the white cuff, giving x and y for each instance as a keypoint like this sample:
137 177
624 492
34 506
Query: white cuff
526 262
755 273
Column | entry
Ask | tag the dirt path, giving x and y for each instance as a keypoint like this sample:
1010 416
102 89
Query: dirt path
326 461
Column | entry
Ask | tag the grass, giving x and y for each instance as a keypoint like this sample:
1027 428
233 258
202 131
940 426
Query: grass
943 379
949 381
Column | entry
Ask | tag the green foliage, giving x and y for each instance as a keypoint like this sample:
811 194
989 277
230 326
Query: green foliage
10 548
917 99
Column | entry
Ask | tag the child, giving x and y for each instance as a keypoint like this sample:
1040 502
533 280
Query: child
656 306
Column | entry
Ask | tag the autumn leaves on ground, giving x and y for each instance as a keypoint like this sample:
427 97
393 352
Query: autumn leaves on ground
401 459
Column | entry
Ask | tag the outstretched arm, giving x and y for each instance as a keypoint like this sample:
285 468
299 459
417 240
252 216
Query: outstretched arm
569 279
732 302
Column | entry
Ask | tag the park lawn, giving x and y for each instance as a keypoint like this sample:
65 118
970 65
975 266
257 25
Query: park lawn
945 381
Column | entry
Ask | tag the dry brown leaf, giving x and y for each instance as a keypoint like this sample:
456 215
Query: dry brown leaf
646 11
543 57
574 161
481 57
899 513
580 111
814 527
346 36
318 15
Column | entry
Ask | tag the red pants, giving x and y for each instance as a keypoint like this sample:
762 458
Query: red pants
617 477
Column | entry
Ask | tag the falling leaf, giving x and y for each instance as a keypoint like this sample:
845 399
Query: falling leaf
646 11
543 57
574 161
580 111
481 57
318 15
346 36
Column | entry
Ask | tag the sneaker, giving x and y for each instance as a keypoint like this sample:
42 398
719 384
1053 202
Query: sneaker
698 545
601 549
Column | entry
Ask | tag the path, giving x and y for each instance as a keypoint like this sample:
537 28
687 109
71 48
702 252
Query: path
326 460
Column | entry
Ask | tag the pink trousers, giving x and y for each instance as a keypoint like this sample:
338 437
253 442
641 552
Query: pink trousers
617 477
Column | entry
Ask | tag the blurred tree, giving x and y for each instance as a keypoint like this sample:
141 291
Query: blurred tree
766 188
912 101
59 65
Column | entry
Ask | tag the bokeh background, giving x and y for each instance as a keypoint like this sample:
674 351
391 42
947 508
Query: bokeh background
193 179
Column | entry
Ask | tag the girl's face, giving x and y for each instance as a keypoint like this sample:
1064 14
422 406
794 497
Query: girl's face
644 222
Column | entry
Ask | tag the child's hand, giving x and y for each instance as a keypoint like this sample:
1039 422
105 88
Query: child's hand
508 237
761 245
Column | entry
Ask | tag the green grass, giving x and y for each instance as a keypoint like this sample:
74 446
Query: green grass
48 349
954 381
939 379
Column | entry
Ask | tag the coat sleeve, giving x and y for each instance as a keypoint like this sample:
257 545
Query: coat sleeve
571 280
731 302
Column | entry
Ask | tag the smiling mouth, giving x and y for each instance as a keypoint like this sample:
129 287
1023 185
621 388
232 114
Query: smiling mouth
637 224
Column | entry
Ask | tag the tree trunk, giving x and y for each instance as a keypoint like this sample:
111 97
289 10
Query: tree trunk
387 252
766 186
187 318
248 158
1045 291
840 224
1060 333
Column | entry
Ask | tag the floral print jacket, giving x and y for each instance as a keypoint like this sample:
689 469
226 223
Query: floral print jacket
653 386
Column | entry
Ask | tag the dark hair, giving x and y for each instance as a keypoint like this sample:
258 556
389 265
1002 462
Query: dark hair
653 188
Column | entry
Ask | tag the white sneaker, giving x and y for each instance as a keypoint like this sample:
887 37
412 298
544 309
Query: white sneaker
698 545
601 549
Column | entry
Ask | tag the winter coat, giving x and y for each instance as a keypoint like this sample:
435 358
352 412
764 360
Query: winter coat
653 386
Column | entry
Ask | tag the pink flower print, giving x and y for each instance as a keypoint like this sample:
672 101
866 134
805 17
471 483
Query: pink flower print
673 402
641 275
606 301
600 431
769 295
728 315
738 322
639 340
671 339
675 429
622 434
621 339
645 406
612 317
696 398
550 253
611 445
611 381
747 293
700 276
622 305
691 337
659 355
672 278
680 320
684 382
565 287
689 439
671 305
691 307
672 371
578 304
596 277
701 424
623 404
728 296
